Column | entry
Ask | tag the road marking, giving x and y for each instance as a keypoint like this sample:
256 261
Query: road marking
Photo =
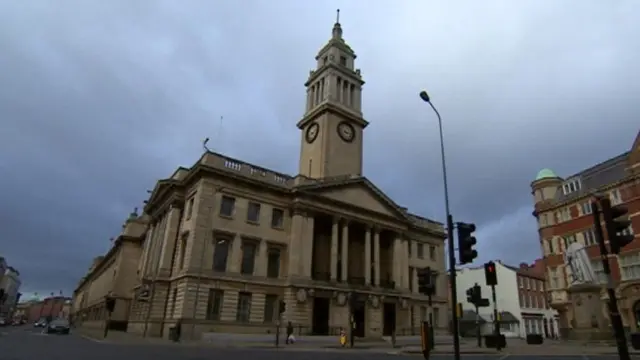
504 356
91 339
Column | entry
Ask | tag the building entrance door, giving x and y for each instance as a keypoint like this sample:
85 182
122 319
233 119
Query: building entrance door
388 319
320 317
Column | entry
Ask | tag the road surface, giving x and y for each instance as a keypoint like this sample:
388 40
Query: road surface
27 343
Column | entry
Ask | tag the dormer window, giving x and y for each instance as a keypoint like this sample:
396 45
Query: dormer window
571 186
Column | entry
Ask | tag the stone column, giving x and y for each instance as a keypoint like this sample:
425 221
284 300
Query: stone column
405 264
376 257
367 256
397 260
345 251
414 281
307 245
334 249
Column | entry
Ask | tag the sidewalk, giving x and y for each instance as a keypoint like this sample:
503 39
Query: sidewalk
513 347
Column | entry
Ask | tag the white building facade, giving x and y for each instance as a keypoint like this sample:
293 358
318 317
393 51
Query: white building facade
520 299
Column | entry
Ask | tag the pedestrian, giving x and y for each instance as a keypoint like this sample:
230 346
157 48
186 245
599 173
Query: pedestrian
290 338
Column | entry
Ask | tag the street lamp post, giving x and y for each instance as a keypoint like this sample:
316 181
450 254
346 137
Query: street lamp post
452 259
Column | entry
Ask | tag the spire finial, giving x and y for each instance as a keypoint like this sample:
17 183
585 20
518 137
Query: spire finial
337 30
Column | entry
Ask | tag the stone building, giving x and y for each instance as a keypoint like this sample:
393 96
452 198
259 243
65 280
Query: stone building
227 241
564 217
113 275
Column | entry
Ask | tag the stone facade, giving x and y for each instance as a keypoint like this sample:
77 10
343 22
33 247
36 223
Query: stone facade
227 241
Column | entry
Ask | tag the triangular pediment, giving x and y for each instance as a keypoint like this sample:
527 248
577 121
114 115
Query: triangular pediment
159 189
358 192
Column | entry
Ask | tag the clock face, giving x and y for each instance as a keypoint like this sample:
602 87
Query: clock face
312 132
346 131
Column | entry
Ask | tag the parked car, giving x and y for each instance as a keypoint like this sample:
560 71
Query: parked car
40 323
3 321
58 326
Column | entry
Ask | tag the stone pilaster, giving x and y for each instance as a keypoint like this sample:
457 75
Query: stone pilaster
295 244
236 255
169 238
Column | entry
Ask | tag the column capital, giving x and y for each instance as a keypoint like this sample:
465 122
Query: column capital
299 211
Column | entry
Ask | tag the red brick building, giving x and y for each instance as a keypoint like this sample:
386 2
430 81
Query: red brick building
536 313
55 306
564 217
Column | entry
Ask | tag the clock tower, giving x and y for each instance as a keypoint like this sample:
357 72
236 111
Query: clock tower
332 126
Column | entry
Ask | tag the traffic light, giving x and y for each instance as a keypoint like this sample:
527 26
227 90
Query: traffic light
466 242
282 307
615 226
474 294
110 304
490 273
425 281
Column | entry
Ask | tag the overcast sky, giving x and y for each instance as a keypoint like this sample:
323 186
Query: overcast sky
99 99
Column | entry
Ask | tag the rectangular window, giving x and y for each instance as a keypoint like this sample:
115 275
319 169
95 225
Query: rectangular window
277 218
432 252
243 313
220 255
214 304
253 212
420 251
248 257
343 61
629 266
227 206
586 208
273 262
189 211
270 305
615 197
589 237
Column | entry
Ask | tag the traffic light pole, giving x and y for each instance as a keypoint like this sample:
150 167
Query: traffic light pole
452 281
496 322
478 335
614 314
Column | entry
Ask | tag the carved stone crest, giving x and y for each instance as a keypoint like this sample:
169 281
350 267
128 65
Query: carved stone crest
374 301
341 299
301 296
403 303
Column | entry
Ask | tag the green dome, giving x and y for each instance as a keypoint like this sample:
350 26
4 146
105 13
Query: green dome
546 173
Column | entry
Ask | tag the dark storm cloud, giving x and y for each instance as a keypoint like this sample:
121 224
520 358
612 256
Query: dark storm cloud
100 99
